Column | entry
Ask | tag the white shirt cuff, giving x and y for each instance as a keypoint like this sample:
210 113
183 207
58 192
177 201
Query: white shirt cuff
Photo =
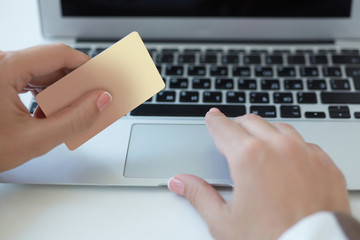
320 225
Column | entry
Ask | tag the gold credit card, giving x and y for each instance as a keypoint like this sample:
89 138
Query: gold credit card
125 70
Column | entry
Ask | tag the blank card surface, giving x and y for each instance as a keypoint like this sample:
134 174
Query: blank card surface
125 70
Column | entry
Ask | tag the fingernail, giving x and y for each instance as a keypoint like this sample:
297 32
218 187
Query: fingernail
213 110
103 100
176 186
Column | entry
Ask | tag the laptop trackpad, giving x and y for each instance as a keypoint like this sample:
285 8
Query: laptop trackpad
162 151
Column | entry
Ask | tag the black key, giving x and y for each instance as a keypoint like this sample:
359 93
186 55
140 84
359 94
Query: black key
252 59
350 51
264 111
264 71
178 83
196 71
258 51
208 58
274 59
340 97
241 71
166 96
296 59
84 50
315 115
283 97
340 84
192 50
186 58
316 84
247 84
304 51
97 51
290 111
293 84
235 97
353 71
281 51
270 84
324 51
332 72
286 72
174 70
318 59
186 110
357 114
308 97
259 97
356 81
201 83
339 112
215 97
33 107
236 51
152 51
158 68
187 96
169 50
165 58
213 51
224 83
309 71
218 71
345 59
149 100
226 59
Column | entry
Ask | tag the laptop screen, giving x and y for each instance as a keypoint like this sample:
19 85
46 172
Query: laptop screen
207 8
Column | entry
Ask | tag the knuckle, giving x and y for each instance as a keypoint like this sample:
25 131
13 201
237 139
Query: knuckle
62 46
287 143
283 125
247 151
249 117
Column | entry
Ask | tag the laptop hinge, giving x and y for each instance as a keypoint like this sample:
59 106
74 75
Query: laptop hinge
239 41
348 41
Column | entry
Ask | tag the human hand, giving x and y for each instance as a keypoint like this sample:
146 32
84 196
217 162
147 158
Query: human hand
278 179
23 136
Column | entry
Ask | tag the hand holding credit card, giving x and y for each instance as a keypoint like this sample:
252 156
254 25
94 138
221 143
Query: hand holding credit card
125 70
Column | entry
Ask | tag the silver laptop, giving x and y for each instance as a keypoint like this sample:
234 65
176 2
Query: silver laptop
291 61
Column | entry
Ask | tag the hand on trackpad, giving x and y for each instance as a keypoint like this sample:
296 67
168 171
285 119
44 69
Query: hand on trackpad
162 151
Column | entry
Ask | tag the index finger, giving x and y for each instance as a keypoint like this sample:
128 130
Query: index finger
227 134
40 61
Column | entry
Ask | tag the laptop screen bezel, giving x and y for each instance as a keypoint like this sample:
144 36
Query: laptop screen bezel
54 25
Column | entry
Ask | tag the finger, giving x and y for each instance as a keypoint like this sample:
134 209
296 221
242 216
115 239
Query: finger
44 81
69 122
323 155
288 130
257 126
40 61
205 199
225 132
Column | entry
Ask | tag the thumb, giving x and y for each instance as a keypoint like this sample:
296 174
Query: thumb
205 199
60 127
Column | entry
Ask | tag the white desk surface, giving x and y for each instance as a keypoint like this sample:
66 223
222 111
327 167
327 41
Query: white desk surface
89 212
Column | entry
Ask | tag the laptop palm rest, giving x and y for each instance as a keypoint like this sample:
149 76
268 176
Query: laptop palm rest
162 151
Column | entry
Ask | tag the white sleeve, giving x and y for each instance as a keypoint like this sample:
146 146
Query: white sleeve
320 225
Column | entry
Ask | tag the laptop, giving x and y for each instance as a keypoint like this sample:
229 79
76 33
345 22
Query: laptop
291 61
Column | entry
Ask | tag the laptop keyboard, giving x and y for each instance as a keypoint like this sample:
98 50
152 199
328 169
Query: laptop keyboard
276 83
